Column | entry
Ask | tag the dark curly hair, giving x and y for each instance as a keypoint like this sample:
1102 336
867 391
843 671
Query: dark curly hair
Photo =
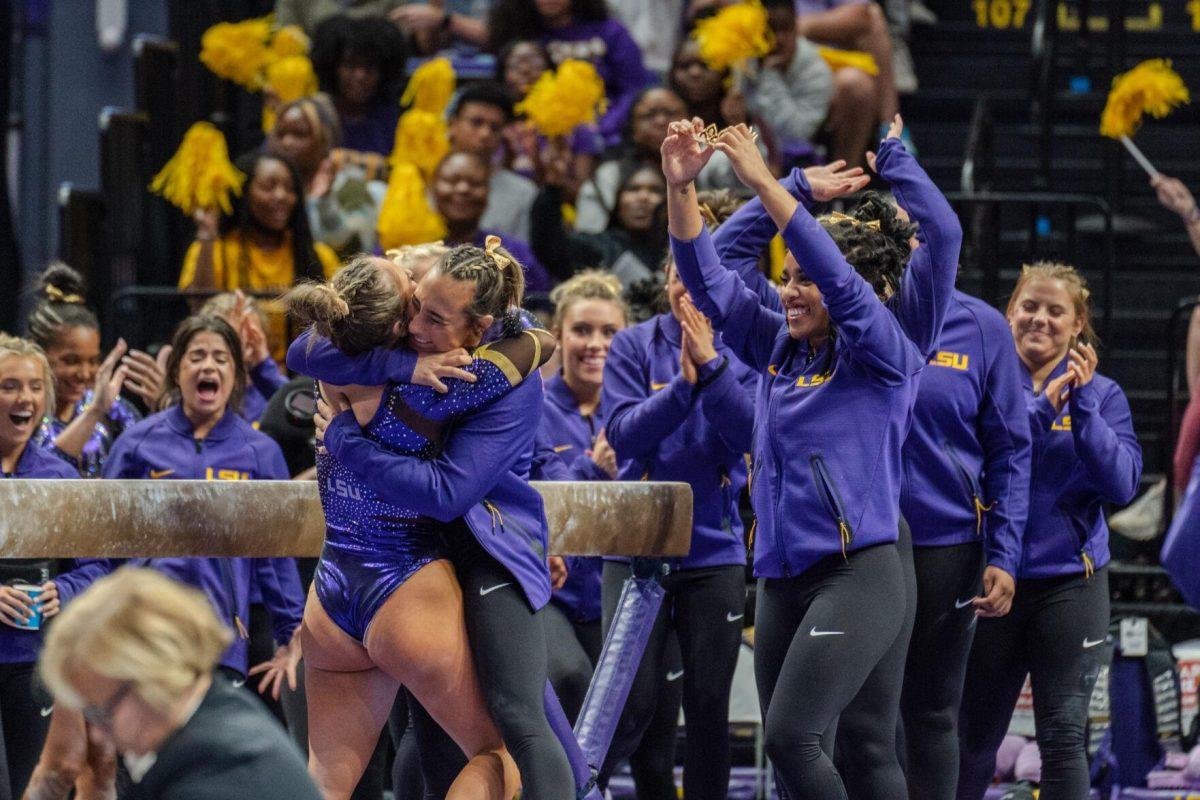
375 41
878 252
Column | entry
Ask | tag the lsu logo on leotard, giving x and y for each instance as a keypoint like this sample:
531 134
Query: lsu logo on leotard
225 475
1063 424
945 358
805 381
343 489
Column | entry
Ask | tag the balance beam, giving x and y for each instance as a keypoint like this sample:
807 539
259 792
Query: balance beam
168 518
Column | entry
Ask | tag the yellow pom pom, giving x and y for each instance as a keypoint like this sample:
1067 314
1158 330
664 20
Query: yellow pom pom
406 216
1151 87
288 79
734 34
421 140
837 59
289 40
430 87
558 102
237 51
200 174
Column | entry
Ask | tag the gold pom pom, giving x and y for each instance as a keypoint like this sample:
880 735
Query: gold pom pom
734 34
287 79
837 59
406 216
237 51
1151 87
430 87
421 140
200 174
560 101
289 40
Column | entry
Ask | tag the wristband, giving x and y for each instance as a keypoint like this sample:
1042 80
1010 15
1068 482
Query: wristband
702 382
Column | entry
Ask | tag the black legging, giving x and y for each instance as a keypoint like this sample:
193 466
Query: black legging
572 648
866 756
819 637
508 643
705 607
1055 634
24 721
947 579
652 764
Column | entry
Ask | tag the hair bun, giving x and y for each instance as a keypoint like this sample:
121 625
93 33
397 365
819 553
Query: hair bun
58 283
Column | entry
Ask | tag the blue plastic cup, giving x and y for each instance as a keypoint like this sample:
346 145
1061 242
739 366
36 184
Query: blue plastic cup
34 623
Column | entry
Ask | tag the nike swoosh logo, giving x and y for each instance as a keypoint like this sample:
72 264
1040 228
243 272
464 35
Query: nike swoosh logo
490 589
654 387
674 676
161 473
563 447
815 632
47 711
239 684
731 618
1088 643
963 603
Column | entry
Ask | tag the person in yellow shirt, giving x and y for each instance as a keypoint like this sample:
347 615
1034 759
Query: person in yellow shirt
264 246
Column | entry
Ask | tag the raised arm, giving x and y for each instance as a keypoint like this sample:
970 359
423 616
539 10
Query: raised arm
868 328
317 357
742 239
924 294
748 328
482 446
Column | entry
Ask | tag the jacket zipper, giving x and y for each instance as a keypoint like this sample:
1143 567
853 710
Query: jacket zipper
224 567
833 501
972 487
772 408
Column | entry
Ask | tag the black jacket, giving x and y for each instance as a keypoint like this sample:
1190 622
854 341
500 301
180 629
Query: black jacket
230 748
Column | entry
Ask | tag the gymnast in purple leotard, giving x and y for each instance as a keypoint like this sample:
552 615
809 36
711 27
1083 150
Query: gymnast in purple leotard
383 563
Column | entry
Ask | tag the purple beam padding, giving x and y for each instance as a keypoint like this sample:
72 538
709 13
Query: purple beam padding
585 780
636 610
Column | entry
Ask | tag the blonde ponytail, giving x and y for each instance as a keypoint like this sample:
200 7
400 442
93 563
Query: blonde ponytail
357 309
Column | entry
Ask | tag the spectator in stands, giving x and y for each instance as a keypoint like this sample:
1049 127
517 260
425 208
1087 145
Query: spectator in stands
652 111
633 244
136 655
1174 196
343 203
266 244
518 66
359 63
477 116
88 413
309 14
582 30
710 96
439 24
795 93
656 26
460 195
855 25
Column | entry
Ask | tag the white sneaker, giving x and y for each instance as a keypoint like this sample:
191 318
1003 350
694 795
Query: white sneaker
921 14
902 65
1142 520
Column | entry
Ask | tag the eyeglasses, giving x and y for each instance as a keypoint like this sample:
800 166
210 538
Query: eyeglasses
102 716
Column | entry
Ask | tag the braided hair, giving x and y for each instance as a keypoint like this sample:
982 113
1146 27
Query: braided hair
498 277
874 240
61 305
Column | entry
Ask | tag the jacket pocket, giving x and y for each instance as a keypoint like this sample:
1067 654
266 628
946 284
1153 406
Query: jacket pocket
832 500
970 485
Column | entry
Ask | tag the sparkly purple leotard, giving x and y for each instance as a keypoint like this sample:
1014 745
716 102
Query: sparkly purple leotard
373 545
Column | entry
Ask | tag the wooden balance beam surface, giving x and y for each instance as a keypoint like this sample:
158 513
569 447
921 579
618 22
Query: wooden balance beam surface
167 518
